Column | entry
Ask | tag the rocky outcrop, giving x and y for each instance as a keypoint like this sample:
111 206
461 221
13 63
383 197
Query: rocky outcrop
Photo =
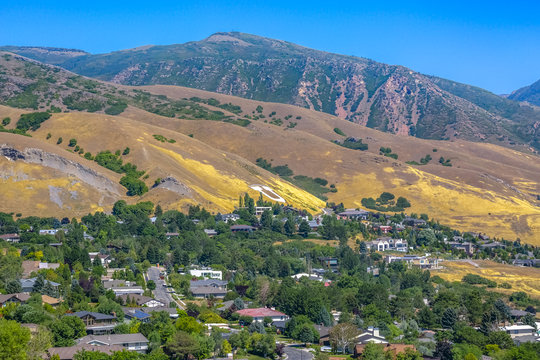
57 162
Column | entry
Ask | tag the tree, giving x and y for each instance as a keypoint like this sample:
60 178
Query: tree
449 318
151 285
13 340
38 284
226 348
374 351
13 287
182 346
39 343
324 317
266 219
239 304
304 228
257 327
500 338
443 349
66 329
59 141
342 336
72 142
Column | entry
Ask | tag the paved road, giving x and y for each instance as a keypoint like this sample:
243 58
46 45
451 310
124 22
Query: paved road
295 353
161 292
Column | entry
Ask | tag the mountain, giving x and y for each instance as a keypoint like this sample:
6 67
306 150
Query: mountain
197 147
384 97
530 93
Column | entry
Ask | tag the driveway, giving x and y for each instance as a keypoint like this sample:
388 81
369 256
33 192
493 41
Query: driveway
296 353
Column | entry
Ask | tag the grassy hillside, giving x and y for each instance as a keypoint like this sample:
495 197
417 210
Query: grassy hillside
192 172
384 97
520 278
487 187
201 147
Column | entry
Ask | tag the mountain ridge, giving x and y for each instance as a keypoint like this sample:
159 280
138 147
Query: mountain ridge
390 98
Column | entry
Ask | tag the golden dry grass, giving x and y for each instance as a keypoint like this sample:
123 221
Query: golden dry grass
520 278
489 189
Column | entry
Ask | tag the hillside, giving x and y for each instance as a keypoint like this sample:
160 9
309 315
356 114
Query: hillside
530 94
384 97
204 146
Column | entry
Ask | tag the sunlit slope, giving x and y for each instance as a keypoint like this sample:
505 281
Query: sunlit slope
195 173
488 189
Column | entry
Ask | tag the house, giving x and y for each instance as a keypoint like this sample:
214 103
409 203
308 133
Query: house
221 284
492 246
46 299
371 335
30 266
136 314
385 229
206 292
324 334
96 323
258 314
210 232
10 238
414 222
229 217
207 273
13 298
393 348
467 247
208 288
141 300
48 231
27 285
386 243
422 262
132 342
315 224
527 262
104 258
123 287
242 228
68 353
352 214
260 209
329 262
518 330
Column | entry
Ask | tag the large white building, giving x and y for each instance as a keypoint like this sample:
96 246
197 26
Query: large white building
207 273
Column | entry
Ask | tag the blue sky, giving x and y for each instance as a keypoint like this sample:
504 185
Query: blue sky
494 45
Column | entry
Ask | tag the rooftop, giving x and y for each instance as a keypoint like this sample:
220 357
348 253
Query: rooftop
260 312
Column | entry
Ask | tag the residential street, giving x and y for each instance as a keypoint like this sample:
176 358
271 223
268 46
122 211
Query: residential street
295 353
161 292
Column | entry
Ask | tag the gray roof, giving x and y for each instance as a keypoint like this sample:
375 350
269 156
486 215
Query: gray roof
69 352
208 282
95 315
201 290
114 339
519 313
26 283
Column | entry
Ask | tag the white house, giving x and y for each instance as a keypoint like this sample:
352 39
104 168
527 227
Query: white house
48 231
518 330
207 273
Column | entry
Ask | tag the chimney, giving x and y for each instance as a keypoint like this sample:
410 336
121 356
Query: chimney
376 332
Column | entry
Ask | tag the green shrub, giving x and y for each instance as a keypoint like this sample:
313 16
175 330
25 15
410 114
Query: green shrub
72 142
6 121
133 185
339 131
32 121
59 141
126 151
